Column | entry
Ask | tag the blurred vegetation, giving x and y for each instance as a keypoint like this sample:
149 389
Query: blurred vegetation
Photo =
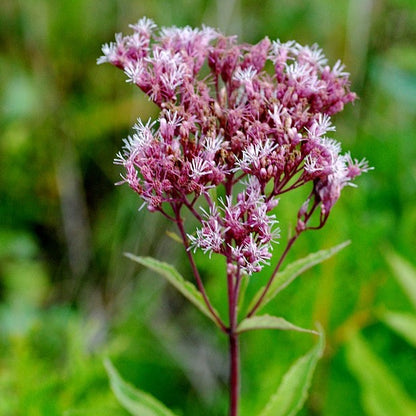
68 297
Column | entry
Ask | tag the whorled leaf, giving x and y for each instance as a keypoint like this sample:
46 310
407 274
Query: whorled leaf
135 401
269 322
381 392
176 280
293 389
293 270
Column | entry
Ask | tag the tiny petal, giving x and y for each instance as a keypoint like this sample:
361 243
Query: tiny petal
144 25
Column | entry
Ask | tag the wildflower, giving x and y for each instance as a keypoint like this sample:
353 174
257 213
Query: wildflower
239 127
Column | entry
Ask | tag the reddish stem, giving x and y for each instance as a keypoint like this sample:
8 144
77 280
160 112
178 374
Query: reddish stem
289 245
189 205
234 373
233 288
195 271
272 277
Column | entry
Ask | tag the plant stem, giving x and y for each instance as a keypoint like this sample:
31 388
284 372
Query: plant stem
234 373
195 271
233 279
276 269
289 245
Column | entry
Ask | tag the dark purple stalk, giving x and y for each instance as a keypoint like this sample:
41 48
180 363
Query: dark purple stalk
233 342
272 277
189 205
234 373
195 271
289 245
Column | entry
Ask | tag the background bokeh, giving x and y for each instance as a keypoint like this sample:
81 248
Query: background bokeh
68 296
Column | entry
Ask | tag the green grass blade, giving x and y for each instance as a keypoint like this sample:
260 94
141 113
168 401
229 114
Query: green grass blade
403 323
405 274
269 322
293 270
381 392
293 390
135 401
176 280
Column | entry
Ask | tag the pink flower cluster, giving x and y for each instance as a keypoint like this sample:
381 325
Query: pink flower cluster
226 122
241 230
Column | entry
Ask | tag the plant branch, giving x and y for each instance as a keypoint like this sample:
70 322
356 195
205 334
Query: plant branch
189 205
272 277
289 245
165 214
195 271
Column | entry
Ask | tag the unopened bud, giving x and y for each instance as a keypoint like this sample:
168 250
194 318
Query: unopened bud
300 226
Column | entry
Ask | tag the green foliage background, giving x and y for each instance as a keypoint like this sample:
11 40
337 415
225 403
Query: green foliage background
68 297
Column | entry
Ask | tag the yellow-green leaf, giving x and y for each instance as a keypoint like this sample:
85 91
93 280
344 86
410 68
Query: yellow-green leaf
403 323
293 389
405 274
174 237
137 402
177 281
293 270
381 391
269 322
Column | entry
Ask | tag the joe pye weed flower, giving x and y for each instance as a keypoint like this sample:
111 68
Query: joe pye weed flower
231 139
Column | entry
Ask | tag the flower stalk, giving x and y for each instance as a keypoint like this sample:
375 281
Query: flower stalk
234 373
195 271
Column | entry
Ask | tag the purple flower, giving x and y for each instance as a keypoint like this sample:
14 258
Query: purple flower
227 122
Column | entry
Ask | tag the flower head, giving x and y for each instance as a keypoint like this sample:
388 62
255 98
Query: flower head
226 121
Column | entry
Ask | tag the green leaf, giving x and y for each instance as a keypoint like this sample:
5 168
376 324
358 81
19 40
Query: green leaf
135 401
98 409
382 393
293 389
403 323
176 280
269 322
293 270
174 237
405 274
